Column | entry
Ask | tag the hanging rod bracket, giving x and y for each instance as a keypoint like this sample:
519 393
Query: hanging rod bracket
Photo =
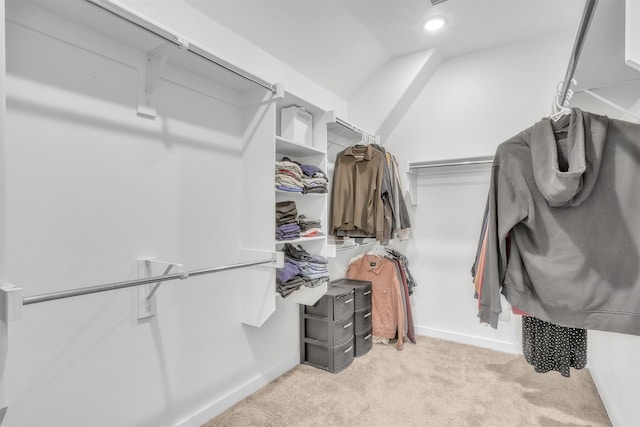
148 267
10 303
278 90
183 42
148 78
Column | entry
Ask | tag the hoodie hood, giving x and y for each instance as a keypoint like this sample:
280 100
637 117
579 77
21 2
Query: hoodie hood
567 183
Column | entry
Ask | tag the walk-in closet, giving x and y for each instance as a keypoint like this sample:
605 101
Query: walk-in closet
340 213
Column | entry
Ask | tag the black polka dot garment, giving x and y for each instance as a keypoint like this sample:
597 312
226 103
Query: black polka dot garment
548 347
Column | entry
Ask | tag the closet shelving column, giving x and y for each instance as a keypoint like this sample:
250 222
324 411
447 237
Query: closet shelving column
313 205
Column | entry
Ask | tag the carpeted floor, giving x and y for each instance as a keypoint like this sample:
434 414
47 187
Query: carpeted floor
432 383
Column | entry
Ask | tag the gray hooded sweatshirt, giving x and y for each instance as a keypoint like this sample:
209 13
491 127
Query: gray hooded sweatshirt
564 224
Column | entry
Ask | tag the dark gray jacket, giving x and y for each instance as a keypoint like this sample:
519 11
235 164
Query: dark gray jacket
570 207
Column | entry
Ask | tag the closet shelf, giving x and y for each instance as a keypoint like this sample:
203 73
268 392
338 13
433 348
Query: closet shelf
307 296
469 164
301 240
298 194
135 30
289 148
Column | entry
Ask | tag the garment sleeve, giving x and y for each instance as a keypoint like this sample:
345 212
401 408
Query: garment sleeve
337 204
481 240
403 221
400 312
505 210
378 202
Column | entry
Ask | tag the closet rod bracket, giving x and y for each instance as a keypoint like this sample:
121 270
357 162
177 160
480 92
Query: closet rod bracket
10 303
278 90
155 62
183 43
148 267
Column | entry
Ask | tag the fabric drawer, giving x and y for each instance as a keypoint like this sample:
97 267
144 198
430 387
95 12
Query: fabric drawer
363 343
363 298
333 333
336 304
362 320
332 359
362 290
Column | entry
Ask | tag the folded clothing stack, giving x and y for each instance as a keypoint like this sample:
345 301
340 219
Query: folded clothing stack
287 227
298 178
309 227
289 176
313 179
300 269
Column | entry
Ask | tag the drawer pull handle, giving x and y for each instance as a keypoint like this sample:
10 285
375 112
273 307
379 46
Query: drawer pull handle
348 301
367 315
347 325
349 349
353 291
366 293
367 337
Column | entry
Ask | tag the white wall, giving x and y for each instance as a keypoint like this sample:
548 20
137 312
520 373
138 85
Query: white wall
4 327
613 363
399 79
91 188
196 26
471 104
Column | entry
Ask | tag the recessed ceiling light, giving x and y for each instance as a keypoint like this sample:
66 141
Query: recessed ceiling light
434 24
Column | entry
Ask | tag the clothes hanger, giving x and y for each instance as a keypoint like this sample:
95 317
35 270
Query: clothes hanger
361 143
558 109
377 250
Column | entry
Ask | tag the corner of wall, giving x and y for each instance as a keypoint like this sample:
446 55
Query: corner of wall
225 402
382 101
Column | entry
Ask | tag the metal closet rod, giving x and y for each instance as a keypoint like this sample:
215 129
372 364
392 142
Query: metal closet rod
583 29
451 162
354 128
177 40
137 282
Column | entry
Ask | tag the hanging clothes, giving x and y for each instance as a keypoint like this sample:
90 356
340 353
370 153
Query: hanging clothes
367 199
357 206
388 306
401 221
548 347
558 192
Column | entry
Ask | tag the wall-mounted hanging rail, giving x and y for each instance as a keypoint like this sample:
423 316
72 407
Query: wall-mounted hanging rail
583 29
129 283
353 246
178 40
467 161
366 135
414 168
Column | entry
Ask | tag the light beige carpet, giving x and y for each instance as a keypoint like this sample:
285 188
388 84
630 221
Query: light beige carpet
432 383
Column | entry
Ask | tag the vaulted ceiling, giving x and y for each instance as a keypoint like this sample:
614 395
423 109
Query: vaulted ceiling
341 43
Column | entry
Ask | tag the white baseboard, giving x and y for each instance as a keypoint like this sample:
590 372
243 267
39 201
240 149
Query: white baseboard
235 396
503 346
605 396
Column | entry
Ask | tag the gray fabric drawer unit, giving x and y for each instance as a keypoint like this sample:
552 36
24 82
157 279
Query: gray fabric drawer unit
363 343
362 321
337 327
336 304
332 359
362 290
320 329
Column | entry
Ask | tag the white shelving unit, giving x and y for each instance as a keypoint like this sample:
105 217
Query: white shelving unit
312 205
